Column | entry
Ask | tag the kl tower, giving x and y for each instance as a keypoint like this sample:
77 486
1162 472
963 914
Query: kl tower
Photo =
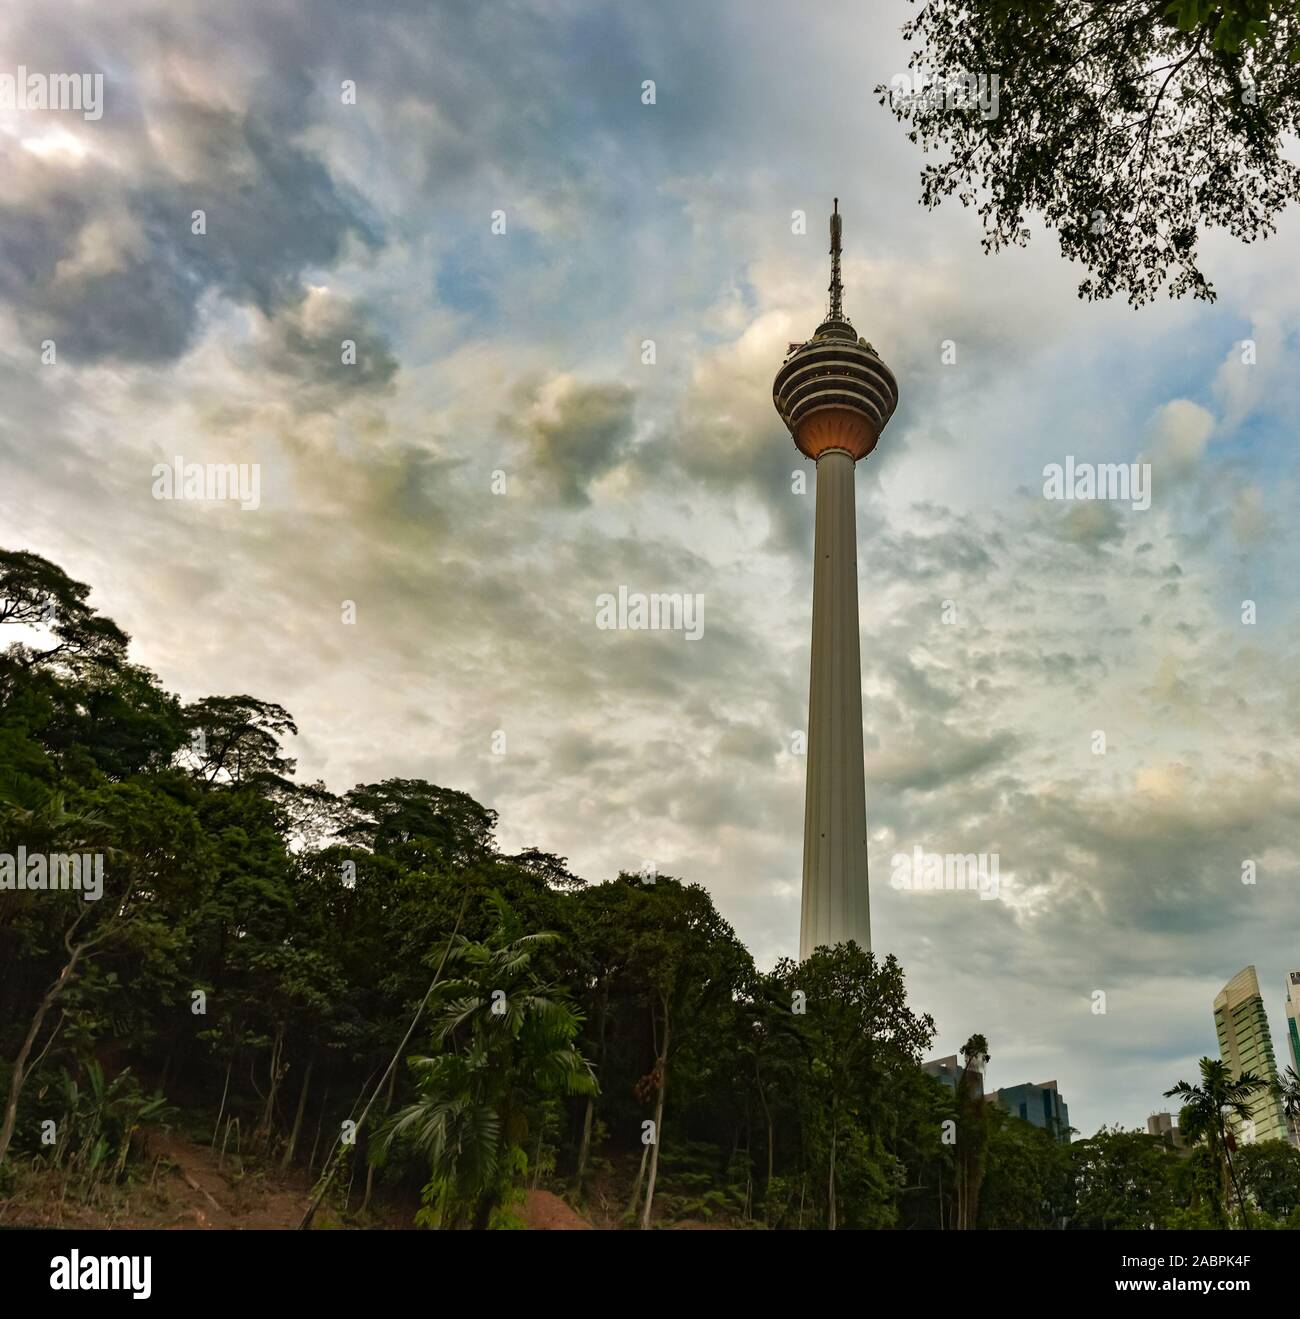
835 395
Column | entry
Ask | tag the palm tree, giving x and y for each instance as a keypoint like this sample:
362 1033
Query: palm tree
508 1043
1287 1089
1206 1112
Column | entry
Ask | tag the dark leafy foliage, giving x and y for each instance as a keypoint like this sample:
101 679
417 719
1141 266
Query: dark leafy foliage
262 947
1128 126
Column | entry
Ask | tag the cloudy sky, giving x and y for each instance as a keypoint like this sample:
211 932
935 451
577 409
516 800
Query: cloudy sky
500 454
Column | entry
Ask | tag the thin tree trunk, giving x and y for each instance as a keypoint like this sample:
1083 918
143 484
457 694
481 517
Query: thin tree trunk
268 1112
1232 1173
767 1185
19 1075
636 1185
749 1164
320 1124
1219 1202
370 1167
323 1183
584 1149
767 1114
589 1117
225 1090
659 1122
292 1146
537 1162
830 1220
370 1186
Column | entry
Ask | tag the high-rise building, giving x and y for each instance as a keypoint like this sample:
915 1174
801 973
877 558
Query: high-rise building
835 395
1040 1104
1293 1017
1246 1045
948 1070
1164 1128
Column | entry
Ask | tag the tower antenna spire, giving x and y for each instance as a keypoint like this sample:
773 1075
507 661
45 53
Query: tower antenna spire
836 289
835 395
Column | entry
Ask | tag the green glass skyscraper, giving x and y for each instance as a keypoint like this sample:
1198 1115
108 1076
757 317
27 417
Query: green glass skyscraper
1246 1045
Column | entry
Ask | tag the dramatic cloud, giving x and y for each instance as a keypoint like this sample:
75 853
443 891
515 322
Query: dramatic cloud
500 223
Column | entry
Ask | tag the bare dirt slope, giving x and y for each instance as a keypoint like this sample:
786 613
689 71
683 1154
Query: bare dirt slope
188 1186
545 1212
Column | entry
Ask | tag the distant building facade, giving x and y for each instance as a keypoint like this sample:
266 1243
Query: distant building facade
1040 1104
1246 1045
1164 1128
1293 1017
948 1070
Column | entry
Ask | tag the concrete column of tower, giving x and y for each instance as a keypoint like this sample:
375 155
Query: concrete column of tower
835 891
835 395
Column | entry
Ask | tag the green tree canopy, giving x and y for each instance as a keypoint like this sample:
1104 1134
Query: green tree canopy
1128 126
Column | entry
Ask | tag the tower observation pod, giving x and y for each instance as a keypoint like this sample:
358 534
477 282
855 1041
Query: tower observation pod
836 396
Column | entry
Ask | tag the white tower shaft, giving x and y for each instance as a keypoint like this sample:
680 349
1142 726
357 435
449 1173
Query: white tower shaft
835 898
